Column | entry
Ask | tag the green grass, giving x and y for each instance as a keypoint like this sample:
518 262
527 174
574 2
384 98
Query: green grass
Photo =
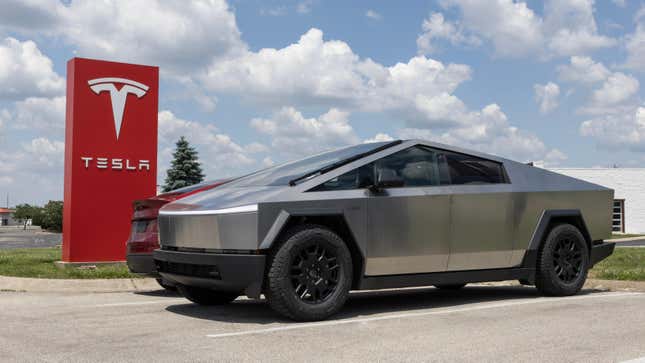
39 262
616 236
624 264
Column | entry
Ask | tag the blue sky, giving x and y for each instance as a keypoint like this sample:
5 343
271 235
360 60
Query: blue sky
252 83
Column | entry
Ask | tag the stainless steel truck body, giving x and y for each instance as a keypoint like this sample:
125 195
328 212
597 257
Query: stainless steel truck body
406 213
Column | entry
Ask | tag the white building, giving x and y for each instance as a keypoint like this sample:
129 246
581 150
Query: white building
629 193
6 217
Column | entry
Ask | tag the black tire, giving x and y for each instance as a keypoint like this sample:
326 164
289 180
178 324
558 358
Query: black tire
202 296
450 286
563 261
296 268
169 287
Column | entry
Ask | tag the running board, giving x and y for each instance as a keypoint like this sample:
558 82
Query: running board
450 277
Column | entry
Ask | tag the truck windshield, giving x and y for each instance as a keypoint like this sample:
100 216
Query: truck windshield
282 174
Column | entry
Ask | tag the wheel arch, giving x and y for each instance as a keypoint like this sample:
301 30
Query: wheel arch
549 219
334 221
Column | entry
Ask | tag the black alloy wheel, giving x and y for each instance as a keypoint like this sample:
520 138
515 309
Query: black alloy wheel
315 272
309 273
563 262
567 259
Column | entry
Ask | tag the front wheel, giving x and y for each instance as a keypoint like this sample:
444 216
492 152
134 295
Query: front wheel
203 296
563 262
310 274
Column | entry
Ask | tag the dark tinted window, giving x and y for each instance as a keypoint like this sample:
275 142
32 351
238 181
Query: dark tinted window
415 166
467 169
354 179
282 174
421 166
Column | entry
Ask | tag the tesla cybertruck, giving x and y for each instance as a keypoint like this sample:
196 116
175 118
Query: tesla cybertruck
382 215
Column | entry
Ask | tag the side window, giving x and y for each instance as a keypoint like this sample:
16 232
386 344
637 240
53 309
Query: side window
415 166
354 179
467 169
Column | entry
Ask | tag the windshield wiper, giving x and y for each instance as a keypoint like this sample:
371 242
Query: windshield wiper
340 163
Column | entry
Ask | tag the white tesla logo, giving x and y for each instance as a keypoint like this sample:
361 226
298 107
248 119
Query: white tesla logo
118 97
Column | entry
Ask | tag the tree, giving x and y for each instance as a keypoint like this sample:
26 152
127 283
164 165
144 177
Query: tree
53 216
185 169
25 212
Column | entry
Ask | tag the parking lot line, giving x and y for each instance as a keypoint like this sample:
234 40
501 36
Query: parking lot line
637 360
423 313
137 303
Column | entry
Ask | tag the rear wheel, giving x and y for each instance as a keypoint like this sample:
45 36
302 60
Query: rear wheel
563 262
449 286
310 274
202 296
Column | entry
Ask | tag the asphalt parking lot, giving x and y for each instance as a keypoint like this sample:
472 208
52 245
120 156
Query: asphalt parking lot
475 324
15 237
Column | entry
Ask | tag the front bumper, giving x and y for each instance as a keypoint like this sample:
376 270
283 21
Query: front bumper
217 271
142 263
601 251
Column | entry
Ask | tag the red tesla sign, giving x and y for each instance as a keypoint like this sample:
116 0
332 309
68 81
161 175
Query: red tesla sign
110 155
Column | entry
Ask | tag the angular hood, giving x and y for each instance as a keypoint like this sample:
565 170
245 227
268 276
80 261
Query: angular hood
225 197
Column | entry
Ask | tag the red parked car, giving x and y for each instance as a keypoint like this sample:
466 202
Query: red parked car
144 235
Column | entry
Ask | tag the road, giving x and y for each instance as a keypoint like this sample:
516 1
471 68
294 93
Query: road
14 237
478 323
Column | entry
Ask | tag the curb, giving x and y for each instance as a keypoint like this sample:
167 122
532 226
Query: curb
627 239
27 284
616 285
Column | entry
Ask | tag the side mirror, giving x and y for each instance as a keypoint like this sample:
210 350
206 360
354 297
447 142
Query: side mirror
386 178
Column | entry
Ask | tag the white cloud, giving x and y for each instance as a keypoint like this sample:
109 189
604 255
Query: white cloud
34 170
29 16
379 138
304 7
25 71
172 127
635 43
515 30
618 131
546 95
317 72
617 89
571 27
38 113
555 157
294 134
488 131
43 152
267 162
179 36
583 70
373 15
437 28
620 3
328 73
636 50
219 154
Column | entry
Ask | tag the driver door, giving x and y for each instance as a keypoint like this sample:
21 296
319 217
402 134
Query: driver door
408 227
